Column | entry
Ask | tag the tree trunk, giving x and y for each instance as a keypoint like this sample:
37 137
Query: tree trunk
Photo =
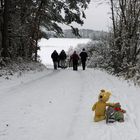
5 30
1 2
113 17
37 25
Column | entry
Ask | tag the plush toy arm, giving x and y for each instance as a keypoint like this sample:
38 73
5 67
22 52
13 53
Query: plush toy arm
124 111
93 107
110 104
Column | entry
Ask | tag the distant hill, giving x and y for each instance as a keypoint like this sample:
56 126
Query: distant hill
86 33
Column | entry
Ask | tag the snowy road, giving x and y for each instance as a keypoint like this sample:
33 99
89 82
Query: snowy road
56 105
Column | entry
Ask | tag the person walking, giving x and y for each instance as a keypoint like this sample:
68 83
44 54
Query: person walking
74 58
62 57
54 57
83 56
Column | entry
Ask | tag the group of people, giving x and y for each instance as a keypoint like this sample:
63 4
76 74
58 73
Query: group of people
59 60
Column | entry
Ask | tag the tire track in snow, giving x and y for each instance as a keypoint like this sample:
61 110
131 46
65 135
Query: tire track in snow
71 132
81 125
11 91
79 115
111 130
130 117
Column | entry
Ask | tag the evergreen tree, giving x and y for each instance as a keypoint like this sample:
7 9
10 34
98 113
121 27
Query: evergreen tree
22 21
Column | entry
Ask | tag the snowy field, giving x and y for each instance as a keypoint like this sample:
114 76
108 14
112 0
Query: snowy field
48 46
56 105
52 105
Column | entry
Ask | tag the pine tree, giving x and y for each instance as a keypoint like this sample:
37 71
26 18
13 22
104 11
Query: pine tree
22 22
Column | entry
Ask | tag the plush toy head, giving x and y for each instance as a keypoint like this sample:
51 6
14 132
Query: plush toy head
104 95
117 105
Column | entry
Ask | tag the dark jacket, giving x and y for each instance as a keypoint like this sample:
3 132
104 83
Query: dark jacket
75 57
54 56
62 55
83 56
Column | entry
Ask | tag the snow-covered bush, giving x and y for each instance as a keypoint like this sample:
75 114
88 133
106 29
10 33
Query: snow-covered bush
102 56
19 67
98 53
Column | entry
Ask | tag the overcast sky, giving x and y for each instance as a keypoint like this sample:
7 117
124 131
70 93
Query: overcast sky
97 17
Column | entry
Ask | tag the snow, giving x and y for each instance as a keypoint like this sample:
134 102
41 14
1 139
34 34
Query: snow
56 104
48 46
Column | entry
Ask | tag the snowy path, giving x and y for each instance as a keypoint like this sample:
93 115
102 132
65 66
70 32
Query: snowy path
56 105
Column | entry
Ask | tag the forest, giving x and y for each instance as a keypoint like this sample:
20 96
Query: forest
21 24
118 51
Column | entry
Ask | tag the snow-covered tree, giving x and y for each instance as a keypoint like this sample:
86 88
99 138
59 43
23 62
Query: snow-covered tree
126 28
22 21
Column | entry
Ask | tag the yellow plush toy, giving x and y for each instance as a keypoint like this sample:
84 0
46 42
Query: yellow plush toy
100 106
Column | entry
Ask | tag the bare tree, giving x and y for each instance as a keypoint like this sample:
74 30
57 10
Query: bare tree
126 25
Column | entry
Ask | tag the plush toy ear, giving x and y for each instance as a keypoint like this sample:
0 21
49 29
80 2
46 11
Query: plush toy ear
102 90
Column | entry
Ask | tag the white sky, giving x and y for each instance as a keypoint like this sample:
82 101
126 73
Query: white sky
97 17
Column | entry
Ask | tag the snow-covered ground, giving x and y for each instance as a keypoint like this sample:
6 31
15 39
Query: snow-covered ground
56 104
48 46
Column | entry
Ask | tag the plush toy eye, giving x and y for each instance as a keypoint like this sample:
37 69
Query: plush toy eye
101 96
